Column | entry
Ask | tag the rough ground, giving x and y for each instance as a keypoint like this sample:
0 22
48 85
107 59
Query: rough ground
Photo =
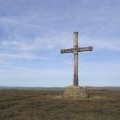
49 105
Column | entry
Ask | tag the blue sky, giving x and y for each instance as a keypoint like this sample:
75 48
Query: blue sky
32 32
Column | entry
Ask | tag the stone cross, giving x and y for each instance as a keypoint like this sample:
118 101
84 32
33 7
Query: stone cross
75 51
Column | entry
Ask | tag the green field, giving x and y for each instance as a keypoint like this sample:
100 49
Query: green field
50 105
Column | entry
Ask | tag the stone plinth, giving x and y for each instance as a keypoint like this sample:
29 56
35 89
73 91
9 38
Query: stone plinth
75 92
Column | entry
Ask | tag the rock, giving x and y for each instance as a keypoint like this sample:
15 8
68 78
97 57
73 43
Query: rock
75 92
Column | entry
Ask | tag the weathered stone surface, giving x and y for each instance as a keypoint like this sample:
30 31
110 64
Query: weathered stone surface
75 92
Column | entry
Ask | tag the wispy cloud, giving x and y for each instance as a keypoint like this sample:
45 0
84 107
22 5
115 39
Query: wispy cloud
4 56
101 44
90 73
34 76
100 74
34 30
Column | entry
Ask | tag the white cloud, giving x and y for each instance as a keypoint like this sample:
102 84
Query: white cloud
34 77
100 73
101 44
7 57
23 49
93 74
33 30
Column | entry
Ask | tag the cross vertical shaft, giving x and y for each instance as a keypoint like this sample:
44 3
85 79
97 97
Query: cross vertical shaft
75 79
75 50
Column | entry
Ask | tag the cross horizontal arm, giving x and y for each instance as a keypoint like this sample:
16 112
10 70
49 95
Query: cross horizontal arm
72 50
90 48
67 50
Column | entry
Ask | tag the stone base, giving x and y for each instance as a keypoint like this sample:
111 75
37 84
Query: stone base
75 92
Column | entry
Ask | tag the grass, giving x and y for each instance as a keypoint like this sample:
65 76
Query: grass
49 105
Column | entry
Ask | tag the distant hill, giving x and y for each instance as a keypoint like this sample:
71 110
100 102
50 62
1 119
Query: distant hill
56 88
32 88
103 88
